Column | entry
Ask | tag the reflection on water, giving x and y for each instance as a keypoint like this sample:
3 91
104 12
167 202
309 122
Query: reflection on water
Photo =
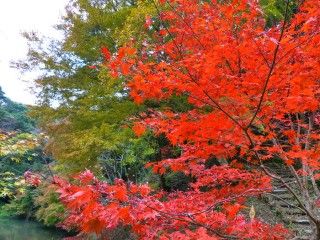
16 229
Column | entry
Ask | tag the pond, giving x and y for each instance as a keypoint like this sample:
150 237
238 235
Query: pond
19 229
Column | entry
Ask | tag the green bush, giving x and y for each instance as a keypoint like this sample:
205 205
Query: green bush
41 203
22 204
49 210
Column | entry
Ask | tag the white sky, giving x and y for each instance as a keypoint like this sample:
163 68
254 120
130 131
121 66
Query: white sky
17 16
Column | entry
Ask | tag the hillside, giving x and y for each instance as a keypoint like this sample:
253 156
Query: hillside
13 116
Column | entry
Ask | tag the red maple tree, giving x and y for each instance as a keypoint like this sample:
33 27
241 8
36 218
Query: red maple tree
255 97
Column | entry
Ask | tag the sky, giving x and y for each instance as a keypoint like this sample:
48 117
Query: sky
17 16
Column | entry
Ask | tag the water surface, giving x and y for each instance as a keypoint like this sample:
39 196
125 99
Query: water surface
17 229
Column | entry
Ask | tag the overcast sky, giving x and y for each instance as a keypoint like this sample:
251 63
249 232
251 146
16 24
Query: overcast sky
17 16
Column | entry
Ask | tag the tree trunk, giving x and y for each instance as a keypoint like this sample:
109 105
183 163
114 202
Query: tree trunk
317 231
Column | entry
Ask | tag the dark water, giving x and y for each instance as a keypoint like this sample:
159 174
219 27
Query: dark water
16 229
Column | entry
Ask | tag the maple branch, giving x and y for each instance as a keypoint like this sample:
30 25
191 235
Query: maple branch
230 67
293 171
302 207
244 194
304 178
273 64
245 129
261 53
210 208
220 108
310 214
298 45
166 29
306 210
215 232
283 200
217 105
187 24
172 216
307 144
310 173
298 129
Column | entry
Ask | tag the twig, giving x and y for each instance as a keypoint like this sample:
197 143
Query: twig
272 66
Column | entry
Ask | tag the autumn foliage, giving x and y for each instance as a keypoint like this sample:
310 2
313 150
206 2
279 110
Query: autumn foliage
254 94
96 207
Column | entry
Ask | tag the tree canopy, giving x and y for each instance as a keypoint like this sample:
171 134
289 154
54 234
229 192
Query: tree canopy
84 111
